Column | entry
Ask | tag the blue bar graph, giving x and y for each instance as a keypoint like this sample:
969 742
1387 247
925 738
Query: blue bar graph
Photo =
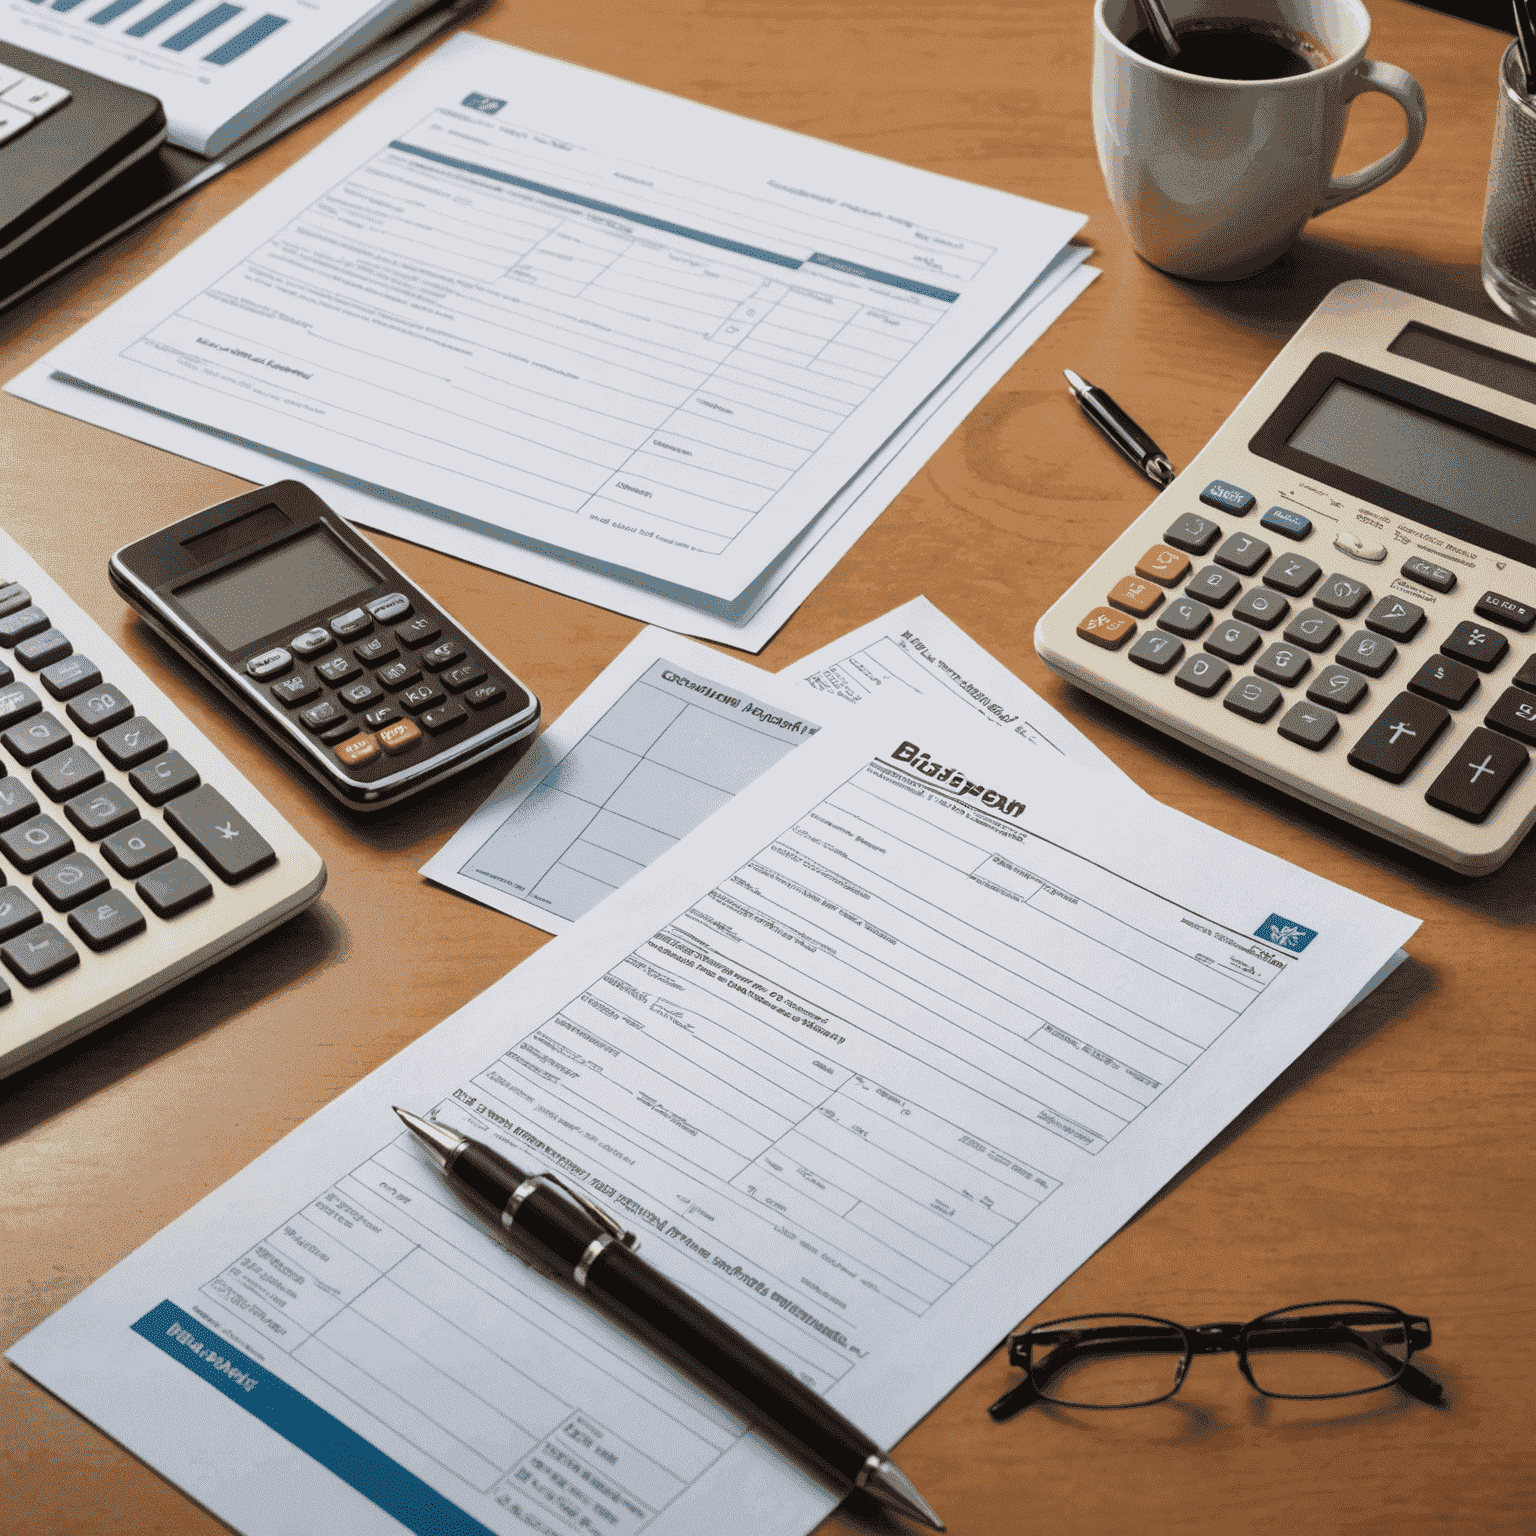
243 41
112 12
194 31
66 5
162 13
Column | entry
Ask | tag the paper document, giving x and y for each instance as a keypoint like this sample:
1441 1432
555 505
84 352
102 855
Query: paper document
911 1027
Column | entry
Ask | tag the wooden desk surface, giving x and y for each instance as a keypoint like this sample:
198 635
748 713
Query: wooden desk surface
1394 1161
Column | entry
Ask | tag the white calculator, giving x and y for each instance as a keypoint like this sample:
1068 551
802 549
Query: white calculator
1338 596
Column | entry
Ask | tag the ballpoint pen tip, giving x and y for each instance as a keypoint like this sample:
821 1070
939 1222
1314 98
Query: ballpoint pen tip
1078 383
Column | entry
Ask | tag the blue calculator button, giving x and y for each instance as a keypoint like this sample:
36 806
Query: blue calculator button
1230 498
1282 520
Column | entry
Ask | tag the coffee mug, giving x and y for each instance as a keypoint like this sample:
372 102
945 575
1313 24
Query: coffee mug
1214 178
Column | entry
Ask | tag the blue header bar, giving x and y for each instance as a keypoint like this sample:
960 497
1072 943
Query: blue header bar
853 269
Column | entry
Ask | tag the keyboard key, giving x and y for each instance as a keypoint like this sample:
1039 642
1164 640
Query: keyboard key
174 888
17 702
17 802
1134 596
418 632
36 739
319 716
1444 680
483 696
1253 699
361 695
98 710
1203 675
1313 628
1233 642
1366 653
100 811
1282 520
357 751
1214 586
1475 644
1309 726
372 653
1477 776
64 679
18 912
1260 607
1108 629
1404 731
313 642
1228 498
1526 676
1293 575
164 778
1515 715
1185 618
44 649
1428 574
1242 553
107 922
1509 611
137 849
35 843
1285 664
1338 687
337 669
1342 595
22 624
39 955
1397 617
443 718
446 653
127 745
1167 567
296 689
399 674
68 882
466 676
1192 533
401 736
67 773
223 838
1156 652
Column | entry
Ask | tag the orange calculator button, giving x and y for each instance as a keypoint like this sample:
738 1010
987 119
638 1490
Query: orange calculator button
357 751
1135 596
1164 565
399 736
1107 628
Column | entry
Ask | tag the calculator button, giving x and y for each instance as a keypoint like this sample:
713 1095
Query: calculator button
1213 586
421 631
173 888
446 653
318 716
67 882
339 732
484 695
137 849
313 642
1342 595
422 696
269 663
6 675
1202 675
34 96
129 744
1253 700
222 837
1444 680
1228 498
99 811
39 955
1397 617
67 773
1286 664
360 750
1135 596
1266 609
443 718
1167 567
36 739
385 714
1185 618
1156 652
1366 653
101 924
1427 574
360 695
18 912
353 622
1526 676
1475 644
13 599
1498 609
1347 542
400 737
1242 553
1309 726
1337 687
337 670
296 689
399 674
1313 629
1515 715
1293 575
18 703
379 648
1282 520
64 679
1403 732
17 802
1103 626
164 778
99 710
394 605
44 649
22 624
1193 533
462 677
35 843
1478 774
1233 642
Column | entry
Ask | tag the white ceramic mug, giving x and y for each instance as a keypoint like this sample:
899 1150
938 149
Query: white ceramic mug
1215 178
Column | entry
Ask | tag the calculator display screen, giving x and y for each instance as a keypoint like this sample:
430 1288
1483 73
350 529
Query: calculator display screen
1490 484
276 588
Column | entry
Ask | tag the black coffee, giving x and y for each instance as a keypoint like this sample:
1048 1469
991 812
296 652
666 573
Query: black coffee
1235 48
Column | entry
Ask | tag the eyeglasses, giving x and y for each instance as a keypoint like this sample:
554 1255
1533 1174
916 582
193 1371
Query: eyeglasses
1128 1360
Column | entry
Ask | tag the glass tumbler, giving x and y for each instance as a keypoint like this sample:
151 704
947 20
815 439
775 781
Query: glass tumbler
1509 216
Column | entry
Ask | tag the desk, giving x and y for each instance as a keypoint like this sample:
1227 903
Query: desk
1393 1162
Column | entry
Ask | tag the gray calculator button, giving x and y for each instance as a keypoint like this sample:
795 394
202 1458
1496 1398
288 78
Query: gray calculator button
44 649
318 716
106 922
1338 688
133 742
1227 497
64 679
1366 653
361 695
1398 737
1253 699
39 955
99 709
1476 644
1203 675
1213 586
17 802
1242 553
1342 595
1395 616
68 882
1428 574
312 642
23 623
1156 652
269 663
337 670
1261 607
353 622
164 778
1185 618
1293 575
13 599
1309 725
1233 641
18 912
67 773
1444 680
35 843
296 689
173 888
17 702
1498 609
1515 715
394 605
1192 533
137 849
99 811
226 841
36 738
1286 664
1313 628
384 715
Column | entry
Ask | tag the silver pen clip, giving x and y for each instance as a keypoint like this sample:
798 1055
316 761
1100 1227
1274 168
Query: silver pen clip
591 1207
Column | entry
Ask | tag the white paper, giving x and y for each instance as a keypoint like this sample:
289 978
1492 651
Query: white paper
873 1062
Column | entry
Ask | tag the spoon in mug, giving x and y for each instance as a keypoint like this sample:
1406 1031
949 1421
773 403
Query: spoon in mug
1157 18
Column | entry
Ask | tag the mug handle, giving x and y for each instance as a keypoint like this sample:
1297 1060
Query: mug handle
1369 75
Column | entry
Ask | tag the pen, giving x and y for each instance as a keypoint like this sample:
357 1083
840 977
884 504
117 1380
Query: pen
1130 439
579 1238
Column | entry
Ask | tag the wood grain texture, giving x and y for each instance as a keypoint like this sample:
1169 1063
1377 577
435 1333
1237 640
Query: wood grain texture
1394 1161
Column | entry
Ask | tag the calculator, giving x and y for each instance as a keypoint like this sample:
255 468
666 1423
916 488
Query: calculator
132 852
341 661
1338 595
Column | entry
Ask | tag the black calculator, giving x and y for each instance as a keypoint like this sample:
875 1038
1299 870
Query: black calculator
347 665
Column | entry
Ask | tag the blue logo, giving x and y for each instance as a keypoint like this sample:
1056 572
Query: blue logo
1284 934
490 105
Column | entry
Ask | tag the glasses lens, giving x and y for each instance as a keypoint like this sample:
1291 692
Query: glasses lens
1329 1349
1108 1360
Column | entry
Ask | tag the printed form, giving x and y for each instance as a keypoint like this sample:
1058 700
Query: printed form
619 326
871 1067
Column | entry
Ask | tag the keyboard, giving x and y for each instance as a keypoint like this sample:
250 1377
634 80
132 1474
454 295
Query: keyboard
132 852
